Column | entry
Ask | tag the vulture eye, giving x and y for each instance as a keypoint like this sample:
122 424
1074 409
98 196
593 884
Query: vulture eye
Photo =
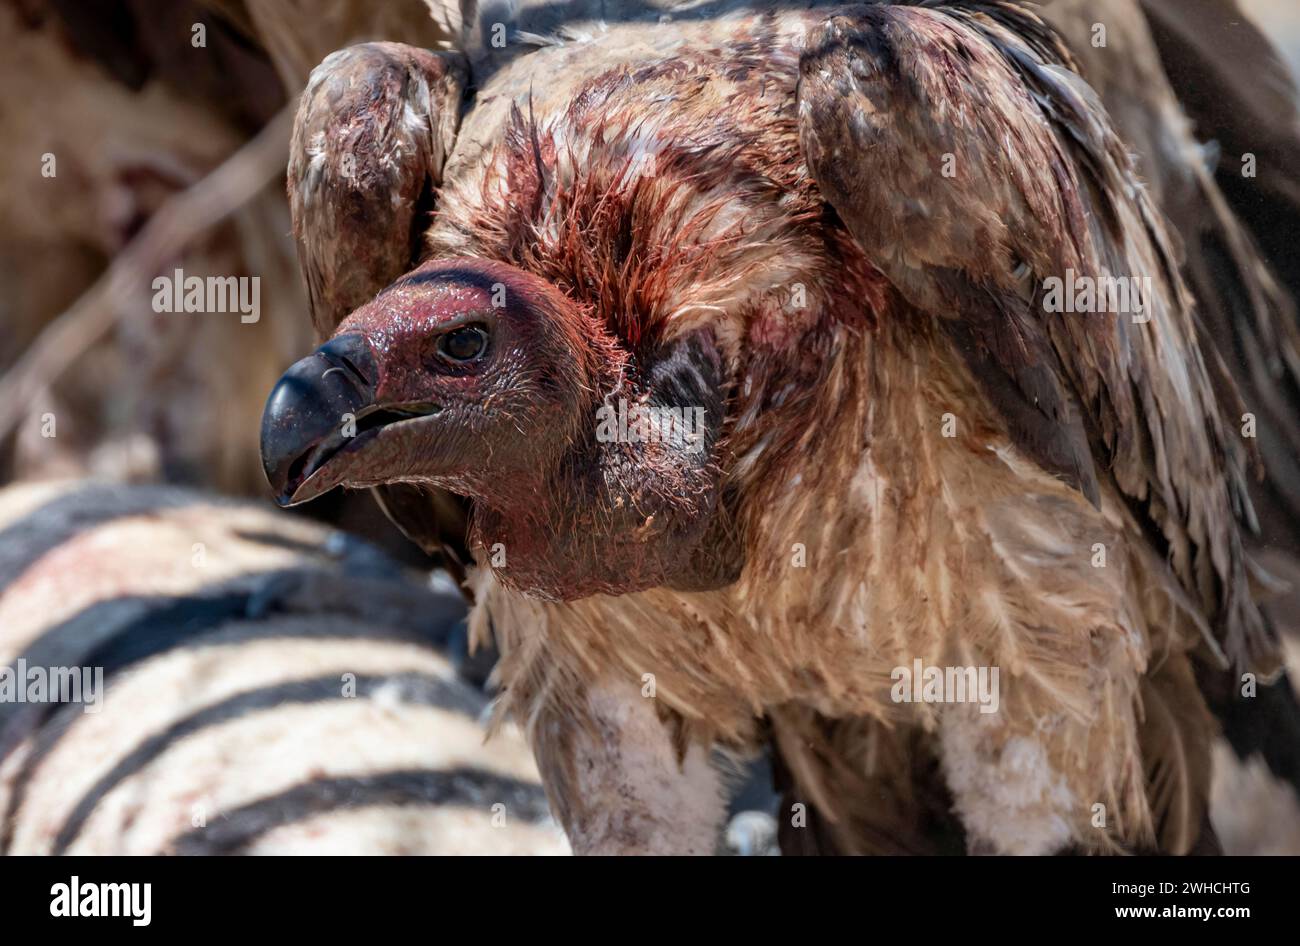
463 344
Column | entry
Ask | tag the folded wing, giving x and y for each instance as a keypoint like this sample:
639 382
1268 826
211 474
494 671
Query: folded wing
975 168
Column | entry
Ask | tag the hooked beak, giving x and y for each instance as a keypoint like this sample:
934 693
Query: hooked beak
320 414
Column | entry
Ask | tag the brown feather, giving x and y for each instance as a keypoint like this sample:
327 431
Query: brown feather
1045 186
1176 736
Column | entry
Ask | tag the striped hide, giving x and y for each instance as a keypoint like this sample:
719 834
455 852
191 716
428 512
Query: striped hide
268 687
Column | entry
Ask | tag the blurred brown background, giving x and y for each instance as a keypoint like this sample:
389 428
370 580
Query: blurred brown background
157 165
1282 17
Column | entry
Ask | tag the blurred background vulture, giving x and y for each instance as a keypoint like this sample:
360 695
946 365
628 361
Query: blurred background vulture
825 232
832 230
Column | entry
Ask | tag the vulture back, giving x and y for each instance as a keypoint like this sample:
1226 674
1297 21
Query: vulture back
181 674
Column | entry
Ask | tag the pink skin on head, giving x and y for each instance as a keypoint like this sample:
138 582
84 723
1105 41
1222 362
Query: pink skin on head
513 429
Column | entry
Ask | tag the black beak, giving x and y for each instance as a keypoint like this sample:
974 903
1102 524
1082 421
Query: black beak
304 421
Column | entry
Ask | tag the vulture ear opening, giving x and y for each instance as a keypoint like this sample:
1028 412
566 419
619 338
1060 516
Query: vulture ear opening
674 489
685 382
688 376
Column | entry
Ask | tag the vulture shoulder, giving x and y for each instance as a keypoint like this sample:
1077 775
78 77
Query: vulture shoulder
374 128
1242 102
980 174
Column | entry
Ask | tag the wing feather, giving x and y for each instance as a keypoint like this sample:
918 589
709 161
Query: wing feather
373 128
973 166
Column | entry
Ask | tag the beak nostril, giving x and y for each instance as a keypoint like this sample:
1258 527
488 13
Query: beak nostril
360 376
347 369
350 355
303 423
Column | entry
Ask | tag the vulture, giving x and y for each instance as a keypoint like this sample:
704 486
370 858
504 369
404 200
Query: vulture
722 353
245 685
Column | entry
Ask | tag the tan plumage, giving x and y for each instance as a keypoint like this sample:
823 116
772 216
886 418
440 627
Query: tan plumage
860 301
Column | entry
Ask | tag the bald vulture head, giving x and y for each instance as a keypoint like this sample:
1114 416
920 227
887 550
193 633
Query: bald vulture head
480 378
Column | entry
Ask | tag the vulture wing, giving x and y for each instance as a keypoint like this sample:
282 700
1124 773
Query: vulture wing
973 166
1240 96
1242 101
1234 201
374 127
1236 231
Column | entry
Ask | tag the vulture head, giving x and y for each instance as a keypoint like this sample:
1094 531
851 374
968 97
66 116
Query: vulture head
476 377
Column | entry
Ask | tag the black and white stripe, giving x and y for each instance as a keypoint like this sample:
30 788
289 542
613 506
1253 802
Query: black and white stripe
288 694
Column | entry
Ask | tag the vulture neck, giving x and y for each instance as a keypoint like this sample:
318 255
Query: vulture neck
635 503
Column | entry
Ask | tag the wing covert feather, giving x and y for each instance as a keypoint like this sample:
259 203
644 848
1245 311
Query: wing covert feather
374 127
972 165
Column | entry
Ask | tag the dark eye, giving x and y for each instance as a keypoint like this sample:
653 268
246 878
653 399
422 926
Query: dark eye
463 344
